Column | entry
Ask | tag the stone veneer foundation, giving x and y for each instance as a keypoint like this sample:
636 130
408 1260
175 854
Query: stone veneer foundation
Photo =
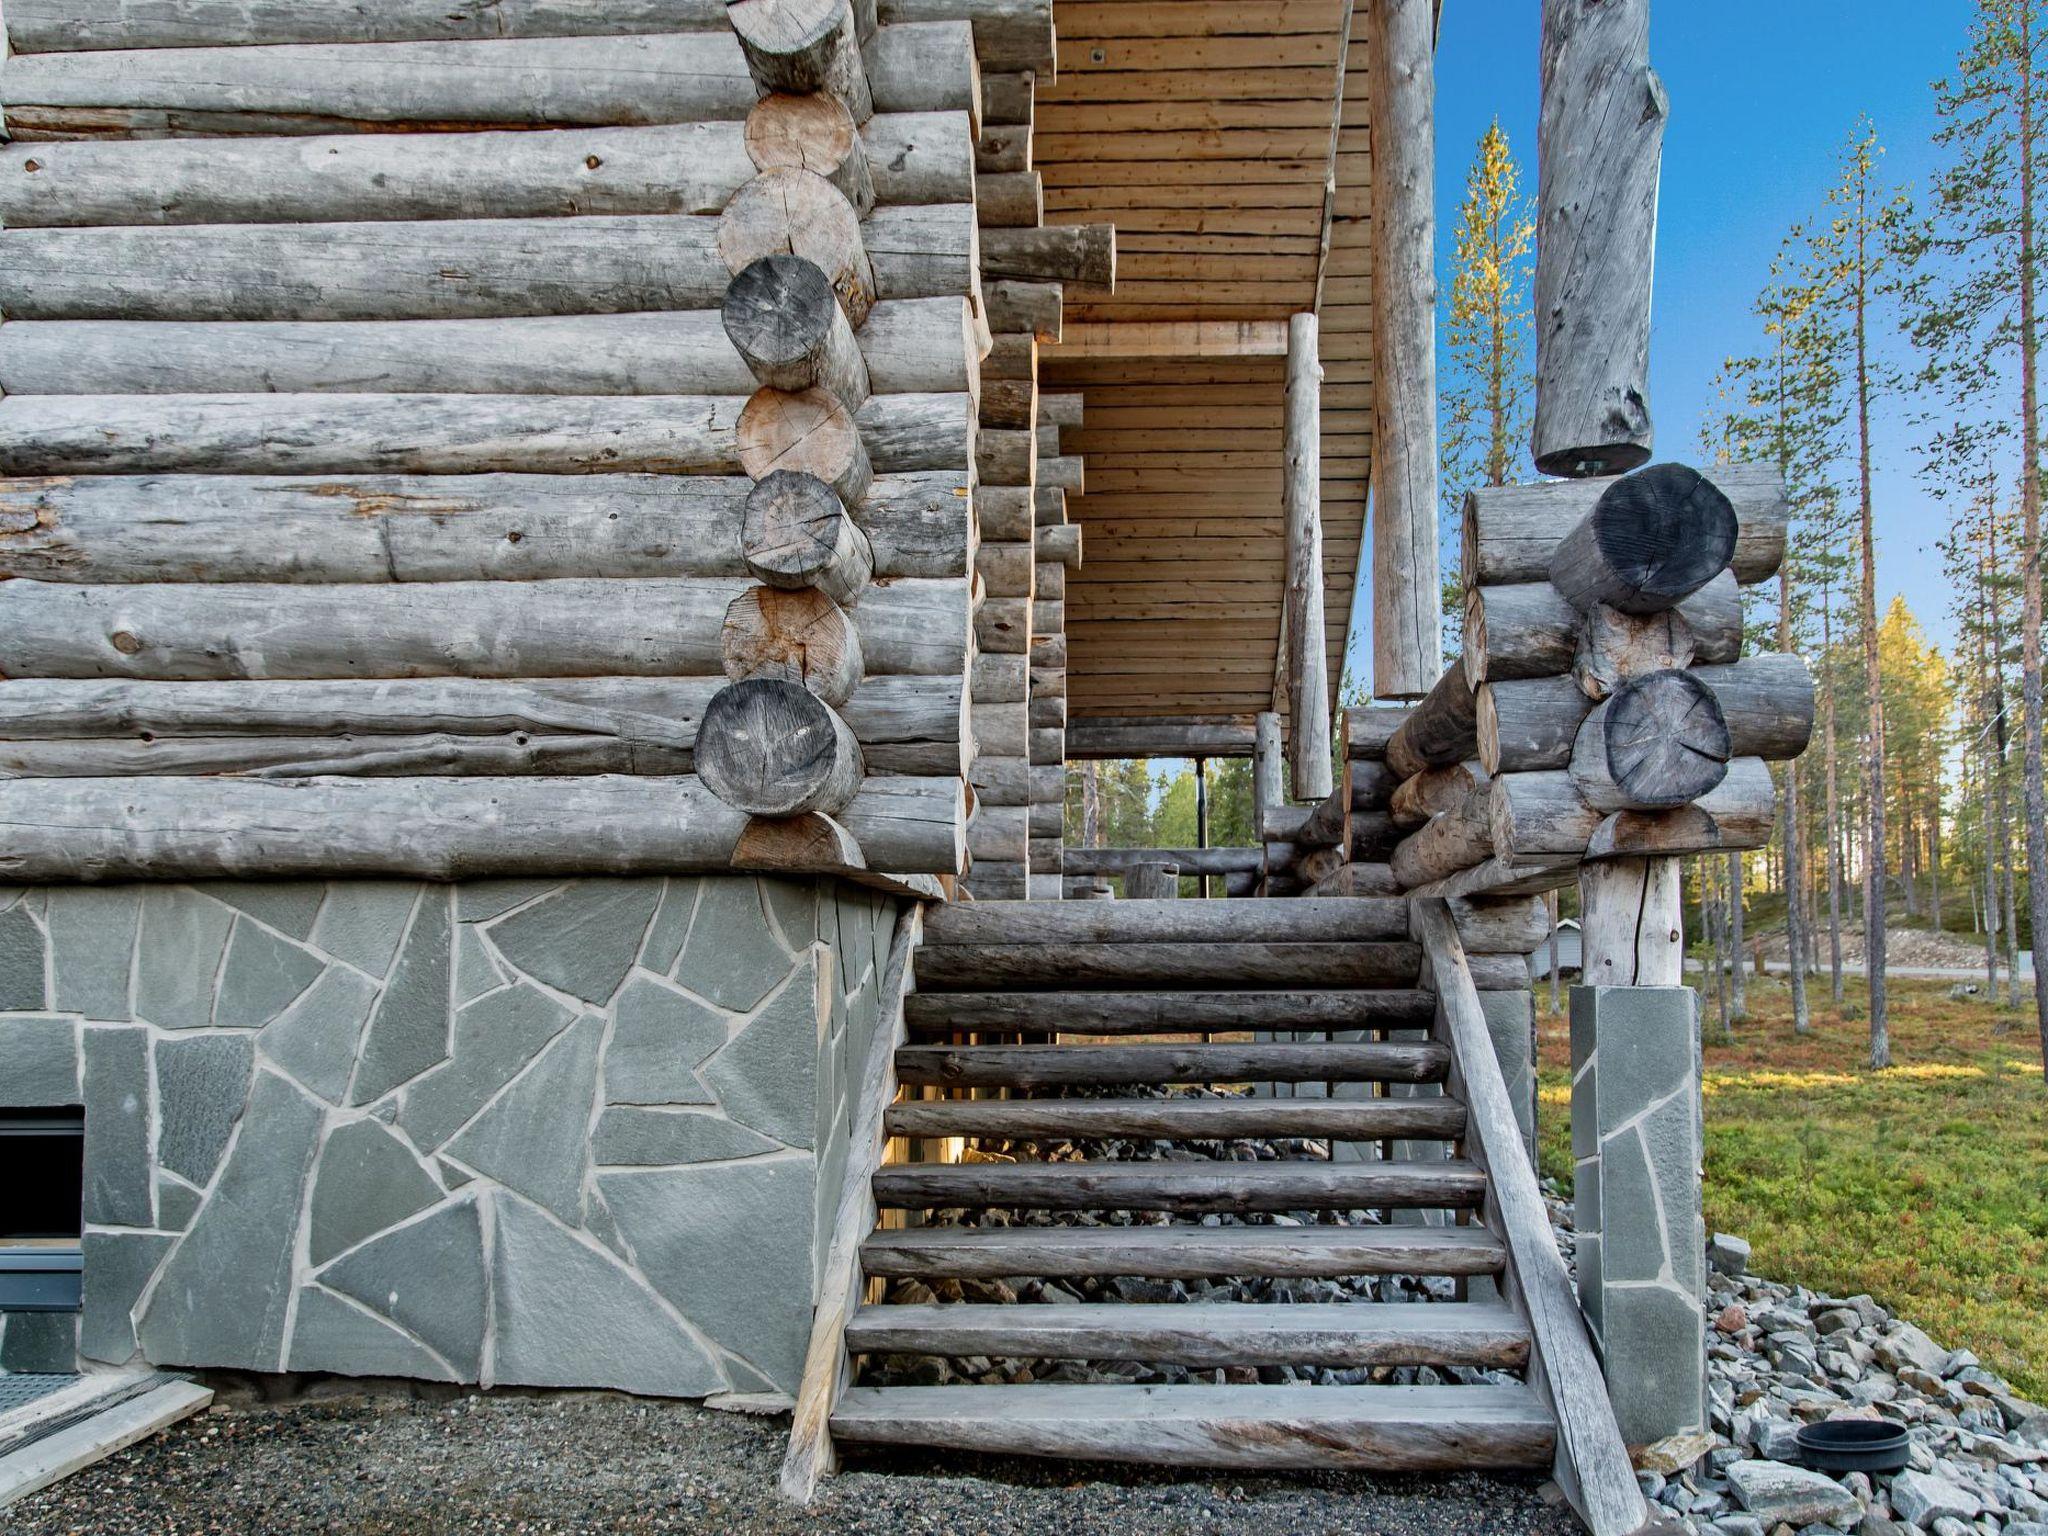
542 1132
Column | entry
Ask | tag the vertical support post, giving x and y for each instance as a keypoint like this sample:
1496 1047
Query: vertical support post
1269 773
1407 599
1202 815
1308 687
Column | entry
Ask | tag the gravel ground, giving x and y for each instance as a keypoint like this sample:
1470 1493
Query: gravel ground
388 1463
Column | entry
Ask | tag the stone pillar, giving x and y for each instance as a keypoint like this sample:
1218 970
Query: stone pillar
1636 1153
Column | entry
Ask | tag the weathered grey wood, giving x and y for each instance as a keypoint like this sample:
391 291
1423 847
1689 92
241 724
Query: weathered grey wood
1440 730
801 46
1369 729
1003 730
1652 540
1151 881
1003 625
1008 34
1449 841
921 157
1179 1119
1047 820
1193 861
1179 1187
999 880
1303 660
1358 879
1099 736
1080 257
1009 98
1564 1364
773 748
1012 200
1005 569
1631 930
1767 702
1434 790
784 319
1736 814
814 132
43 26
1497 925
1004 513
787 210
1067 473
1047 747
1510 531
1182 1252
1001 680
61 830
1530 723
798 636
1660 741
1372 784
1615 647
808 843
1537 815
1245 965
390 753
1167 1012
1484 1336
1060 545
919 431
1328 824
1600 136
1714 615
1005 456
925 66
1523 629
1021 306
1000 834
1407 602
797 533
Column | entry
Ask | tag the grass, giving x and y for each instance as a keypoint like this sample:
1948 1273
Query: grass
1925 1185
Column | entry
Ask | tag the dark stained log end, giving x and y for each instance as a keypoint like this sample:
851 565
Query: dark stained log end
783 317
1652 540
797 533
1618 458
1665 738
774 748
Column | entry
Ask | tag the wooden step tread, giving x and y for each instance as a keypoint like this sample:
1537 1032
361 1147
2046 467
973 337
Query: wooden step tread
1405 1429
1243 920
1182 1119
1157 1013
982 967
1040 1066
1339 1335
1181 1252
1185 1187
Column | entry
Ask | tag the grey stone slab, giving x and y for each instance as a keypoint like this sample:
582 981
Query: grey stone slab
659 1038
24 986
366 1180
176 1203
767 1078
362 921
478 901
476 970
428 1277
1671 1136
494 1037
535 1137
223 1294
581 939
569 1314
201 1085
732 956
116 1265
290 906
41 1056
178 955
117 1127
315 1041
408 1032
1511 1023
1654 1338
671 924
722 1243
330 1334
92 947
793 904
1636 1244
635 1137
1648 1047
39 1342
263 976
1772 1491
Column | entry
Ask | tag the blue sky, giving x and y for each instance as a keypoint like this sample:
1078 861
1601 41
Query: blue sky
1762 97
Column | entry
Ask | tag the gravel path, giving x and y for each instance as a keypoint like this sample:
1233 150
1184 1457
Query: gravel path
574 1463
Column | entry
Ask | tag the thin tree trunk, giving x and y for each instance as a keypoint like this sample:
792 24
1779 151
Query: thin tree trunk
2030 563
1794 869
1556 961
1833 806
1873 789
1738 985
1091 805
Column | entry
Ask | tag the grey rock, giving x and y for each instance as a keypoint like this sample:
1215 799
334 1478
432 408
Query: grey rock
263 976
1772 1492
1875 1524
1728 1254
1777 1440
362 921
640 1137
494 1037
290 906
92 947
42 1061
201 1085
1923 1497
224 1293
581 939
428 1278
1906 1345
1738 1525
367 1180
1667 1361
659 1038
2026 1528
476 969
408 1032
315 1042
41 1343
793 905
117 1127
570 1315
722 1243
767 1078
671 925
178 954
534 1138
115 1268
330 1334
732 956
24 985
478 901
176 1203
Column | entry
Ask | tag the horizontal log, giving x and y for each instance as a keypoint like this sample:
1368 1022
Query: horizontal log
1080 257
1658 742
800 48
1015 200
925 66
1652 539
1048 580
1002 625
1529 723
783 316
1184 1252
1236 965
437 434
1539 816
1191 1188
921 157
1372 785
770 747
1049 712
1166 1012
801 637
1008 98
1193 861
813 132
1767 702
1126 737
1179 1119
1432 791
1009 35
1041 1066
85 830
1001 680
1448 842
1526 629
1738 813
1061 544
1301 922
1045 860
1499 925
1714 616
1615 647
568 628
1025 306
1372 837
1440 730
999 833
998 880
1356 879
1368 730
1004 513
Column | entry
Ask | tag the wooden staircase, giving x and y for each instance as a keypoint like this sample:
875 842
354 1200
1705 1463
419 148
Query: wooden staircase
1080 1015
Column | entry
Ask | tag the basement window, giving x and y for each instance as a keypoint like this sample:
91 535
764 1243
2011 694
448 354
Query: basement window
42 1188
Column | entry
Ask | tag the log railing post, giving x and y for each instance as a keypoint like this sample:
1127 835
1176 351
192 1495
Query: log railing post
1308 690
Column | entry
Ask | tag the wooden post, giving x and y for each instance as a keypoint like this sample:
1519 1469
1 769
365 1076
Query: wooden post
1600 139
1269 785
1631 931
1308 689
1407 601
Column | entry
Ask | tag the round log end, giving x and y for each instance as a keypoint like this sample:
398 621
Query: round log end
786 29
800 637
797 533
772 748
779 312
812 132
1592 463
809 430
1666 739
1665 532
786 211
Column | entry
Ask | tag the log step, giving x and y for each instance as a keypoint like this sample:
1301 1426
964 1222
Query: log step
1407 1429
1181 1252
981 967
1184 1188
1339 1335
1182 1119
1043 1066
1245 920
1156 1013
